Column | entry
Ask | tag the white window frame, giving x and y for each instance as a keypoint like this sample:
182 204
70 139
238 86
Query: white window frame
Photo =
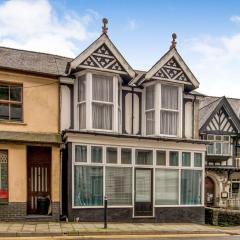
222 141
89 100
134 166
157 108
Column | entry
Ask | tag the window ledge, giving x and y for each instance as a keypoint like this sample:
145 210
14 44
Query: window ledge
12 122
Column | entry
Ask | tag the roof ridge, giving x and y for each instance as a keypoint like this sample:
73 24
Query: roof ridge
31 51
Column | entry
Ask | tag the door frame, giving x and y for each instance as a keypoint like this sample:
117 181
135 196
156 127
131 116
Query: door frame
152 194
48 150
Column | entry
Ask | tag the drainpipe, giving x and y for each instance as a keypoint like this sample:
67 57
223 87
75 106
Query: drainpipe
193 115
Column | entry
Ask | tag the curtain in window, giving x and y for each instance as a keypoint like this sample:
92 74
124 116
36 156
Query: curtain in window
102 88
166 187
80 153
144 157
82 88
150 122
150 94
3 176
168 122
225 148
173 158
197 160
118 185
102 116
111 155
169 97
191 187
88 186
82 115
96 154
186 159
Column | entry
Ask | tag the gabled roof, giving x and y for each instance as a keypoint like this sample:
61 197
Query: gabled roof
103 55
171 67
210 106
34 62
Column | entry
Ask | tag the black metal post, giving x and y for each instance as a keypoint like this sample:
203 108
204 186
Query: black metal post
105 212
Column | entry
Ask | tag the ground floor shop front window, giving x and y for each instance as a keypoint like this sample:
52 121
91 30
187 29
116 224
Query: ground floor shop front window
3 176
136 178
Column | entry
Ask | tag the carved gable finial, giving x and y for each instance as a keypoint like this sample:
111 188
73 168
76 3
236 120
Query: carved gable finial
174 43
104 26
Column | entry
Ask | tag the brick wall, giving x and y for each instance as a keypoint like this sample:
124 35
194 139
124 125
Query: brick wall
13 210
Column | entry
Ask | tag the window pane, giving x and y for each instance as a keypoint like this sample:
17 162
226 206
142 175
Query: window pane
235 190
96 154
3 176
218 148
226 138
150 122
161 158
111 155
210 149
4 111
144 157
226 149
197 160
143 185
82 115
210 137
80 153
4 92
186 159
102 116
102 88
88 186
126 156
218 138
16 112
119 186
82 88
150 97
173 158
169 97
166 187
16 93
168 123
191 187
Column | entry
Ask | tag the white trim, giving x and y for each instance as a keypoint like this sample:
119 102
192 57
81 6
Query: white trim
94 46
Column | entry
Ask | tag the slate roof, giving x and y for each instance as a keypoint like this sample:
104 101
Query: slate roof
209 103
34 62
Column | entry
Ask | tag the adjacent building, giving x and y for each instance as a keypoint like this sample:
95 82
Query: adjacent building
29 133
220 125
131 137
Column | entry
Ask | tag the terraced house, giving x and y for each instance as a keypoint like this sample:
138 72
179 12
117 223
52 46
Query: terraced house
29 133
131 136
220 125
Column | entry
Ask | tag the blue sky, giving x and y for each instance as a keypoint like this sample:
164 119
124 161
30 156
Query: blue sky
208 33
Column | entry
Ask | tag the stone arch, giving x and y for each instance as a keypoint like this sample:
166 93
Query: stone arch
215 179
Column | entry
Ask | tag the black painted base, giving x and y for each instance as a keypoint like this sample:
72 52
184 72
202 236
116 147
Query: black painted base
162 215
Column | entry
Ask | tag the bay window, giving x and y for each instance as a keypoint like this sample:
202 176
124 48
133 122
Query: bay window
162 110
220 145
99 102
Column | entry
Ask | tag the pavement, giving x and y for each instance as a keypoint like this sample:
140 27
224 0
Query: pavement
38 229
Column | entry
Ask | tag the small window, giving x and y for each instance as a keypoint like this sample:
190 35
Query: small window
197 160
218 138
226 138
186 159
111 155
173 159
144 157
80 153
210 137
218 148
10 102
3 176
210 149
161 158
96 154
126 156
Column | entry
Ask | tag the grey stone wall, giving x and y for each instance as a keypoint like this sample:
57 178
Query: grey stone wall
13 210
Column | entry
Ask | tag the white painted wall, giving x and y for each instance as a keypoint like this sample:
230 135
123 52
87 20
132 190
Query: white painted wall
188 119
65 107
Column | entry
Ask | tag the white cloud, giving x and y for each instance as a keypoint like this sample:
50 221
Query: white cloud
235 18
216 63
132 25
33 25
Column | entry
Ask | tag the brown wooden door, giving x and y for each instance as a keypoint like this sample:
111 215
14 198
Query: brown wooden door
209 192
39 175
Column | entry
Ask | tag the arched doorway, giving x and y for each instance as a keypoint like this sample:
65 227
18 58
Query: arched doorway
209 192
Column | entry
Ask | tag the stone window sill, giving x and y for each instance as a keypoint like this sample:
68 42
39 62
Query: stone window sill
12 122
